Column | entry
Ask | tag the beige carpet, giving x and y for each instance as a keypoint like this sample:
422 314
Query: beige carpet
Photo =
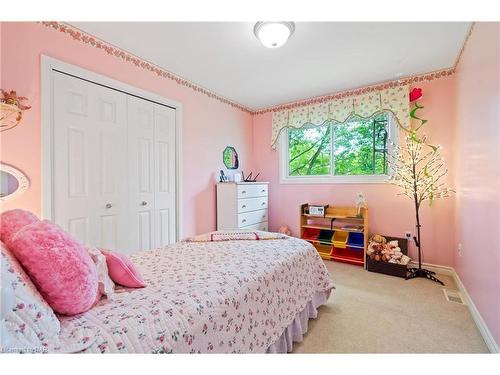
375 313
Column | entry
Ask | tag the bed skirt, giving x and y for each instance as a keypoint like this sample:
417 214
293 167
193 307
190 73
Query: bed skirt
296 330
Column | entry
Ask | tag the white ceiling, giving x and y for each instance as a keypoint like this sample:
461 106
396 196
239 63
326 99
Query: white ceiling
319 58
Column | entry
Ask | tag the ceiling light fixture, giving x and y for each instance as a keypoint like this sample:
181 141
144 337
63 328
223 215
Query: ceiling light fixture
273 34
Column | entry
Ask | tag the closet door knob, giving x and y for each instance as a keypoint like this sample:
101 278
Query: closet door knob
144 203
109 205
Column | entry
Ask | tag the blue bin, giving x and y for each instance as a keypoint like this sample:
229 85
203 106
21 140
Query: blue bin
356 239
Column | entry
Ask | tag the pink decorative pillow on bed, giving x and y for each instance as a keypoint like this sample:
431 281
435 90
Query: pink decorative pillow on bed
122 271
59 266
12 221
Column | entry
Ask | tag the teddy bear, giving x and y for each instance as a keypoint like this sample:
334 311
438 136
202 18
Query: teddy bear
285 230
381 250
378 238
375 247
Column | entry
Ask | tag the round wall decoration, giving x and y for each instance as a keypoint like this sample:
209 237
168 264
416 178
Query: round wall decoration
13 182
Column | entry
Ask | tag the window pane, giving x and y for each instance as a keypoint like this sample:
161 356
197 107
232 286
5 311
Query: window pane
309 151
360 146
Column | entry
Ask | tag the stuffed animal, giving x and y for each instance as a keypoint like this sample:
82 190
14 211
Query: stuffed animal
405 259
285 230
378 238
381 250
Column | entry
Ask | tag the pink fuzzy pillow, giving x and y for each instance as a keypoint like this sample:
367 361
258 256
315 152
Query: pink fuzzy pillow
12 221
122 271
60 266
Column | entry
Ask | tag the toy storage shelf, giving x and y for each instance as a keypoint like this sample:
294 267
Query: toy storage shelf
333 228
340 235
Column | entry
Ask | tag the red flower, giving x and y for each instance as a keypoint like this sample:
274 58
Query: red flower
415 94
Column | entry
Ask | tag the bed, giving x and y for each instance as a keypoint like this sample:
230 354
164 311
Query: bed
232 296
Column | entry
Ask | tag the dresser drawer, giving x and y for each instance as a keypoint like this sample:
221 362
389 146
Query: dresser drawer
252 204
249 218
249 191
259 226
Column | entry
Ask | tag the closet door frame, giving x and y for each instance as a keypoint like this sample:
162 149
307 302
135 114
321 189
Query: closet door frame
49 66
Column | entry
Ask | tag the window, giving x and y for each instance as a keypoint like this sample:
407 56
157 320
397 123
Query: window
354 151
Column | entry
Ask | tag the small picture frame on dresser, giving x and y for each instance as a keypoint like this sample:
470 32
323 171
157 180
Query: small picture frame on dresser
223 177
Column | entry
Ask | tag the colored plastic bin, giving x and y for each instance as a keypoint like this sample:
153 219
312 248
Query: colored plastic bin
310 234
325 236
356 240
339 239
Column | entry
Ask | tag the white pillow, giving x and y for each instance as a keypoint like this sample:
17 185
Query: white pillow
106 286
27 321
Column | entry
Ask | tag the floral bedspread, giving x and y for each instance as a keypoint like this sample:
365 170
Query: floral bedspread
207 297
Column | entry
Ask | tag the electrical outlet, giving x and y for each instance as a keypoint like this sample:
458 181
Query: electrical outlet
460 249
408 236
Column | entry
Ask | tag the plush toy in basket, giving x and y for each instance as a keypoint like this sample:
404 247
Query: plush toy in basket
380 249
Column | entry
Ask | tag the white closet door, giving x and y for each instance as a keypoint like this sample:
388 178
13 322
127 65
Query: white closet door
141 172
164 189
89 149
112 197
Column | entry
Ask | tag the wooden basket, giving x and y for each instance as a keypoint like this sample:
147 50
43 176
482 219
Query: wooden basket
387 268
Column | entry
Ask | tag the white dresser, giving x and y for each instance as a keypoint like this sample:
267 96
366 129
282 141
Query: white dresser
242 205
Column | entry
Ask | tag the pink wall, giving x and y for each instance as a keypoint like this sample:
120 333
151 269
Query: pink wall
208 126
478 171
388 214
462 110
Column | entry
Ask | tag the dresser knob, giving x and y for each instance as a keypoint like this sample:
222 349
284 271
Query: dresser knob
263 191
263 204
109 205
144 203
244 206
244 192
244 220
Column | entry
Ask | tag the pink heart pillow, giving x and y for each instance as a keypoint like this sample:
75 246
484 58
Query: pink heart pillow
12 221
59 266
122 271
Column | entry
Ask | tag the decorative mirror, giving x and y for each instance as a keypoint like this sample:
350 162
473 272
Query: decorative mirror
13 182
230 158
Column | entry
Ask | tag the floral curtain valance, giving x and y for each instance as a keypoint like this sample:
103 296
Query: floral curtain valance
393 100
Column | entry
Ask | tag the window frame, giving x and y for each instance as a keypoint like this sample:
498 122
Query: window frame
285 178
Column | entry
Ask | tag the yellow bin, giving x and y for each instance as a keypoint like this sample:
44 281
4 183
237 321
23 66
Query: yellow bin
339 239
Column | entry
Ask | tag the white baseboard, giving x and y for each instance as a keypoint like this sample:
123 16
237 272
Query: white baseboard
481 325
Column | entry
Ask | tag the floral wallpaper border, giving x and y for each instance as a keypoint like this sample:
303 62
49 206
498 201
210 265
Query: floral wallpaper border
143 64
138 62
359 91
467 37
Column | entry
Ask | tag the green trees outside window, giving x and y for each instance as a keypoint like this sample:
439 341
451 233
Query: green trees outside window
356 147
